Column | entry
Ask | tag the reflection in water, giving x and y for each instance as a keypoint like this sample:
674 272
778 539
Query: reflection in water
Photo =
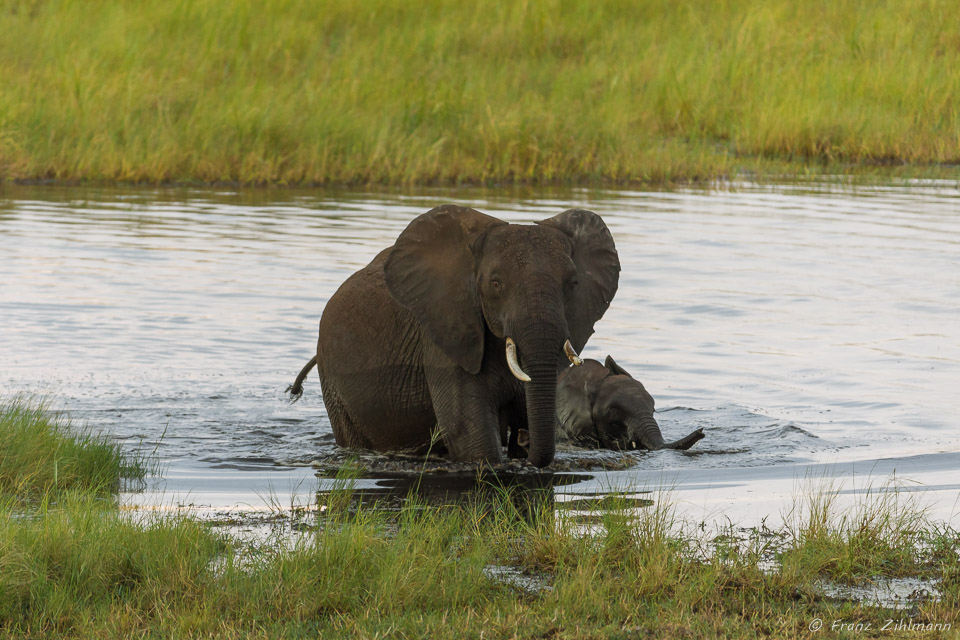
889 593
529 494
534 497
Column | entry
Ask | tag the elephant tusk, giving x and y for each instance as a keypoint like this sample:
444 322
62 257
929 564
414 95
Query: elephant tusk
572 354
512 362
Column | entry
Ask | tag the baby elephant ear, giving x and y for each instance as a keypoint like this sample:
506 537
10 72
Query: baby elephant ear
611 364
598 270
430 271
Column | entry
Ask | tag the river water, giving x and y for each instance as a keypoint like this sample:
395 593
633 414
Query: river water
809 329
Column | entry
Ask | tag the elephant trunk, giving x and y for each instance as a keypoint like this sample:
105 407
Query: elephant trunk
540 351
646 432
541 415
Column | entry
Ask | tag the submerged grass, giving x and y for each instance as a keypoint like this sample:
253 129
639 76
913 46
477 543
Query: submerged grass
386 92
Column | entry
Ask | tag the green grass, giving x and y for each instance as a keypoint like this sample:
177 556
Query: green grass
883 534
83 561
385 92
85 570
76 566
43 455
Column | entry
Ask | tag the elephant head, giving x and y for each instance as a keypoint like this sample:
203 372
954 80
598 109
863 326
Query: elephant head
483 290
603 405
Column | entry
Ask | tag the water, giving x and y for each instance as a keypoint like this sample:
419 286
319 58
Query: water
805 328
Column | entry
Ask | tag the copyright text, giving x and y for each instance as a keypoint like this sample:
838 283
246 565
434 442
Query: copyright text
888 624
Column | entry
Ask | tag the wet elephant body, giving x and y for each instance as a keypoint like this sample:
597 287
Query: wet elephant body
414 349
603 406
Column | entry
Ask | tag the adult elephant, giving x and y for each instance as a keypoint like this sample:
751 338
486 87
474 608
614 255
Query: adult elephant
423 341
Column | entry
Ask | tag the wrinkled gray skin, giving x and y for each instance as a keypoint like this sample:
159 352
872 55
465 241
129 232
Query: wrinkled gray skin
601 405
413 344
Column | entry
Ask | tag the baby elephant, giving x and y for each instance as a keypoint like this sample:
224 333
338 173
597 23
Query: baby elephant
601 405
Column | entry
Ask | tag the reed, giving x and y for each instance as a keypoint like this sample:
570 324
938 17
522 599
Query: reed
290 92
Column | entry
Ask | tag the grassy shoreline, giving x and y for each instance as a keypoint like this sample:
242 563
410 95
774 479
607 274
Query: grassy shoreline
43 455
290 92
73 565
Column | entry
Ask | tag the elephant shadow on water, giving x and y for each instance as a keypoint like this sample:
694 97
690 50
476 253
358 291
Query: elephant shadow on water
452 340
530 496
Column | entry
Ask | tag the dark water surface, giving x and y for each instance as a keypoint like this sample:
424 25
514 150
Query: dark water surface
798 325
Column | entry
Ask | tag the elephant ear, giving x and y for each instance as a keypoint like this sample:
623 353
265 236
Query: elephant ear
598 270
616 369
431 271
577 389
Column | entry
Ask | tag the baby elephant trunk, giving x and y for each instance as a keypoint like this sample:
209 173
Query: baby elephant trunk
646 433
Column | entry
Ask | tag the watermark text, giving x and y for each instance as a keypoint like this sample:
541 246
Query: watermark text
883 625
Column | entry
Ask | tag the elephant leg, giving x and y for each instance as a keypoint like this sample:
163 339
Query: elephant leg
512 422
468 419
345 432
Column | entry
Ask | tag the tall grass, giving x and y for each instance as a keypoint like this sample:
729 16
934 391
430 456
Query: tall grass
84 570
881 534
73 565
83 562
382 91
43 454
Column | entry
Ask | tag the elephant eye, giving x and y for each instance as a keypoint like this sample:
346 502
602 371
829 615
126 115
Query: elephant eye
613 415
495 284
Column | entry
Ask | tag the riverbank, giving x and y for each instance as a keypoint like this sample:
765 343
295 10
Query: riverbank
42 454
75 566
384 93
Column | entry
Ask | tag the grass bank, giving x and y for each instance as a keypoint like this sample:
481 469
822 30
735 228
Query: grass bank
43 455
78 567
293 92
84 570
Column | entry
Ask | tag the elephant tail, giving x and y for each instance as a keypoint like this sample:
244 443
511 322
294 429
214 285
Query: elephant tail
296 389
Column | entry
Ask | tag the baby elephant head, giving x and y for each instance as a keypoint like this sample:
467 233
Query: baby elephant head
601 405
